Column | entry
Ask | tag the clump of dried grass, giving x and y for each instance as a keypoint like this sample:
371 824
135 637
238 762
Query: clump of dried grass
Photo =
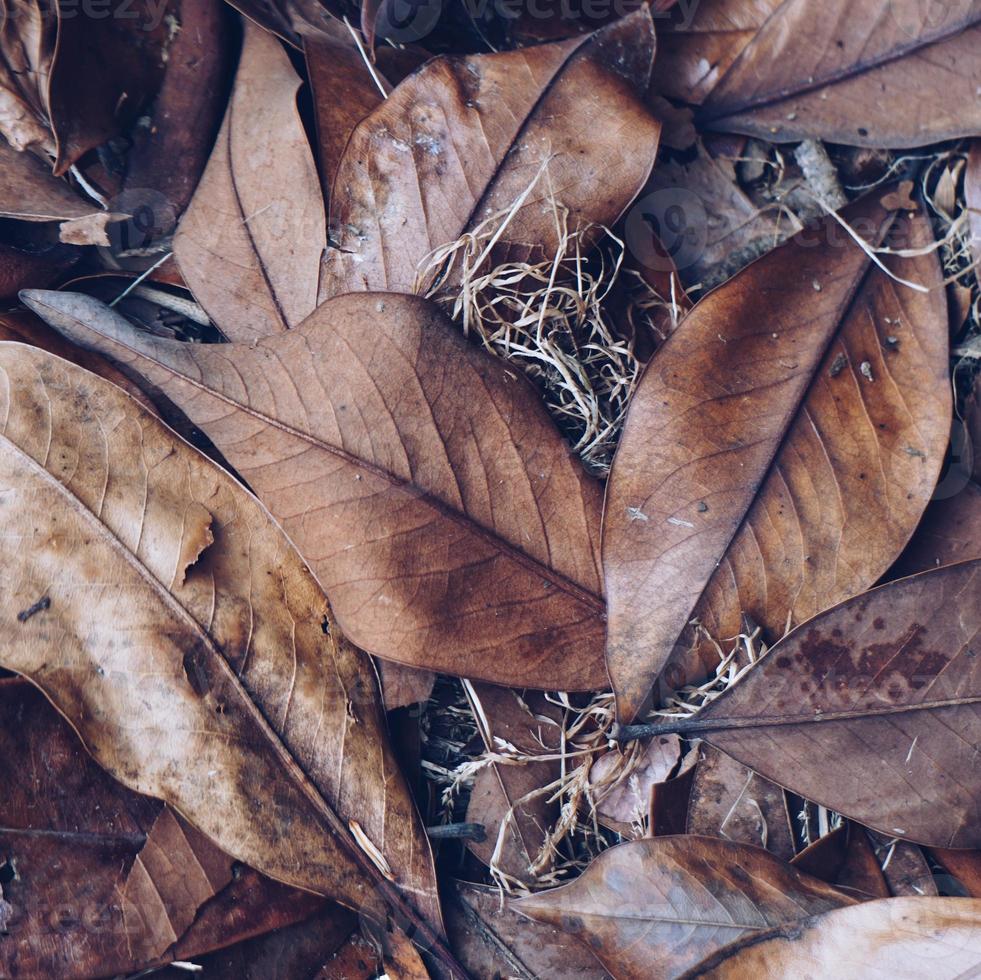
552 319
585 732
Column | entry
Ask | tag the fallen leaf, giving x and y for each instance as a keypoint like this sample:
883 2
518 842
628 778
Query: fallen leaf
775 475
421 480
888 938
250 243
650 909
272 731
844 858
509 800
493 941
173 142
464 137
787 70
402 686
963 866
625 807
904 866
876 684
67 822
730 801
949 532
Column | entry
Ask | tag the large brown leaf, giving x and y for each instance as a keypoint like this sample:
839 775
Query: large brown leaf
250 242
649 909
883 940
464 137
421 480
841 71
871 709
778 453
161 610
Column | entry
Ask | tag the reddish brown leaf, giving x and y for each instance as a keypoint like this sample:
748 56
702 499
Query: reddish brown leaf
780 449
845 858
892 937
421 480
790 70
650 909
877 684
464 137
250 243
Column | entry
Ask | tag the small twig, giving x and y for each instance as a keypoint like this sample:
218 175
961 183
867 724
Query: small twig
458 831
25 614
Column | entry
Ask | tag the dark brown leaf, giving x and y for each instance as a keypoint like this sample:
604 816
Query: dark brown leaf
763 469
887 685
844 858
842 71
250 243
422 481
733 802
650 909
463 138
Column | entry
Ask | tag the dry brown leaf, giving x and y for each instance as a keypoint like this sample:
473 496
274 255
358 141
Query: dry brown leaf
250 243
493 941
842 71
421 480
463 138
650 909
257 716
142 886
730 801
779 451
889 939
844 858
876 684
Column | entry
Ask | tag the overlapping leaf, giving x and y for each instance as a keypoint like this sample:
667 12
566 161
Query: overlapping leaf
788 70
167 617
888 686
778 453
650 909
420 479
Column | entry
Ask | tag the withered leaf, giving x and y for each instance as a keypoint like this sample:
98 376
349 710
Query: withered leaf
844 858
880 684
143 886
761 469
788 70
421 480
492 941
730 801
250 243
161 610
464 137
650 909
888 938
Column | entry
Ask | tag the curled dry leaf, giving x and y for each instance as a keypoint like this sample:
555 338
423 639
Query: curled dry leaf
250 243
464 137
65 820
787 70
889 939
650 909
779 451
421 480
162 611
879 684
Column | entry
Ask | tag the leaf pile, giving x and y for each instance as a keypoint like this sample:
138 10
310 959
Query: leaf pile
410 567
